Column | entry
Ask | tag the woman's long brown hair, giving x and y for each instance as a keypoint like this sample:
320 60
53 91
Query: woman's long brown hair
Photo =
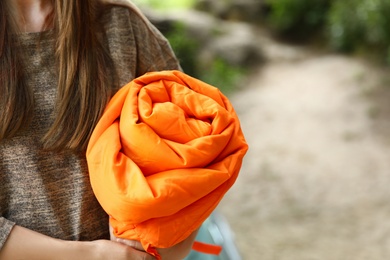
85 77
16 100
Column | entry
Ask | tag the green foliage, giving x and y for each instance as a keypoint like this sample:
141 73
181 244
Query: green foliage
223 76
387 55
167 4
345 25
219 73
185 48
357 24
297 18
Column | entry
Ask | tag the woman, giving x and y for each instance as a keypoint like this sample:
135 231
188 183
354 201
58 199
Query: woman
60 62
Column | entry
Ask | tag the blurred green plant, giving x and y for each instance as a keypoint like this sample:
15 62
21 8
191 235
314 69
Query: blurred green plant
219 73
297 19
360 25
185 48
167 4
223 76
344 26
354 26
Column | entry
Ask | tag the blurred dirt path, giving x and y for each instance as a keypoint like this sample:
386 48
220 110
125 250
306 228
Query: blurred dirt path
315 183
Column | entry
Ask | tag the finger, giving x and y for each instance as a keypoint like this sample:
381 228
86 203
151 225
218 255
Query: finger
139 255
132 243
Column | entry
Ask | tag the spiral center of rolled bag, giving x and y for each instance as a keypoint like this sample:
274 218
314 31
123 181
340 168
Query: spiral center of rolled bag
166 150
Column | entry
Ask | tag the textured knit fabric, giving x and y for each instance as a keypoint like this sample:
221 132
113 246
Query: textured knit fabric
50 192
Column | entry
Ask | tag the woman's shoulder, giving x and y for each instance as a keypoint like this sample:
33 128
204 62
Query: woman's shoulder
125 5
124 13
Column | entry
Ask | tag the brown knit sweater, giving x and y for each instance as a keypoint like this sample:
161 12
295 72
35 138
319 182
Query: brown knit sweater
50 192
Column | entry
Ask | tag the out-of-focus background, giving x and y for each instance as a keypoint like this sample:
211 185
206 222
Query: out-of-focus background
309 80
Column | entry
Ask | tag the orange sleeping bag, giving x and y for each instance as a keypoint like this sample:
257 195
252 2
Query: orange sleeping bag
166 150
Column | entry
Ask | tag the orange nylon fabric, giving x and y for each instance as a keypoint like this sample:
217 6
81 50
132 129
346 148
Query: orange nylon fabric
166 150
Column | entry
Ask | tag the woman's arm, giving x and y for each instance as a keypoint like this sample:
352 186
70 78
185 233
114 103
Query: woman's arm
180 250
23 243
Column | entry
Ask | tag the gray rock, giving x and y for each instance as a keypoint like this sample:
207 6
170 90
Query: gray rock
237 45
234 42
234 10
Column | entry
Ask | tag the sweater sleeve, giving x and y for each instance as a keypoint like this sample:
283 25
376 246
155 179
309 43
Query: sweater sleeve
152 49
154 52
135 44
5 229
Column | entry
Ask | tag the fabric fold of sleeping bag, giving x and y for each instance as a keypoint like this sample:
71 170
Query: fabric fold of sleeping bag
166 150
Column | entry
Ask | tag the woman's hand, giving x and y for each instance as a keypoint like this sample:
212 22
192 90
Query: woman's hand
176 252
105 249
180 250
132 243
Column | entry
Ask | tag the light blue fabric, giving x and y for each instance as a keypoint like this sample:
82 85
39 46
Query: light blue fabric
215 230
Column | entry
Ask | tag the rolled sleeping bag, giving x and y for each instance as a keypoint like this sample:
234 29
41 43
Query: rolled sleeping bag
165 151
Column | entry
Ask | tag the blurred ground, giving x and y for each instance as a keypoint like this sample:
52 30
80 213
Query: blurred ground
315 182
